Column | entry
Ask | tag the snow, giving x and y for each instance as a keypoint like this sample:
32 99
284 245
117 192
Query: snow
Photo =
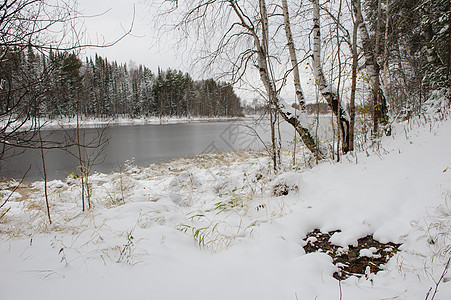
438 104
369 252
212 227
89 122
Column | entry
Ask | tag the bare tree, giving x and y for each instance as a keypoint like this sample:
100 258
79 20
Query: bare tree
327 91
269 81
353 80
44 174
295 66
44 27
246 33
380 108
386 44
28 26
25 25
293 56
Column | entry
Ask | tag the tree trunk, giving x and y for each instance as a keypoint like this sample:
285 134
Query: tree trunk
339 75
293 57
353 81
294 64
326 90
281 106
430 52
289 115
387 23
376 95
80 159
373 69
44 170
263 49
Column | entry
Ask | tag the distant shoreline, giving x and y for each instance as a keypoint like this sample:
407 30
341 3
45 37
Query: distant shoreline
65 123
90 122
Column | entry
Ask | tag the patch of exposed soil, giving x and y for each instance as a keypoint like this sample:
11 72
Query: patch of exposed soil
368 256
281 190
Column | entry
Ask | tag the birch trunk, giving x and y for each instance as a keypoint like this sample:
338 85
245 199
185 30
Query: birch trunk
373 69
376 95
285 111
387 27
281 106
353 81
293 57
264 46
326 90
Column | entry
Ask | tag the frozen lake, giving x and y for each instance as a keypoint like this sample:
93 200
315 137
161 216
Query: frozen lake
145 144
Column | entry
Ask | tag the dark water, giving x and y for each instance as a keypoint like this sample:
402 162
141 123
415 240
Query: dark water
145 144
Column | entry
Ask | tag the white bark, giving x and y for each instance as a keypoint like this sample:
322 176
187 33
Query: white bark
326 90
353 81
263 67
373 69
387 27
250 27
293 57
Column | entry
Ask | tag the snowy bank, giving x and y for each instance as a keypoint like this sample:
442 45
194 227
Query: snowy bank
223 226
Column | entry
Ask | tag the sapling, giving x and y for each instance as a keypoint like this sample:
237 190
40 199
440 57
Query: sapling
44 171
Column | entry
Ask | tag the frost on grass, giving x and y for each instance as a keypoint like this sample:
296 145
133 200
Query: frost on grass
214 198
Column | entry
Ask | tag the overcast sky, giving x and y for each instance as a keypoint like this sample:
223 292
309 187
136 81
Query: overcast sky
145 45
142 46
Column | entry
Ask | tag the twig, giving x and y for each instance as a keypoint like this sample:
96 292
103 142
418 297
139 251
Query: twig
3 214
445 270
15 188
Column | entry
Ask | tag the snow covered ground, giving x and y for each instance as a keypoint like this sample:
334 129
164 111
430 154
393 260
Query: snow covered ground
212 227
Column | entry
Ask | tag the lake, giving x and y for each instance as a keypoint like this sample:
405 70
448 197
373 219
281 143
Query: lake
144 144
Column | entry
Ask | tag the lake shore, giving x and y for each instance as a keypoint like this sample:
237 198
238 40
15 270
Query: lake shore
146 143
227 220
94 122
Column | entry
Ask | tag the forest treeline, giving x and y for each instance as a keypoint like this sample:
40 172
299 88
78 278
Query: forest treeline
97 87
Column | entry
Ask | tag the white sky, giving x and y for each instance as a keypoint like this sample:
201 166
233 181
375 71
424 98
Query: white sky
114 17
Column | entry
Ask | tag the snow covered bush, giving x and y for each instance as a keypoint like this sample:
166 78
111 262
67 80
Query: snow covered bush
438 106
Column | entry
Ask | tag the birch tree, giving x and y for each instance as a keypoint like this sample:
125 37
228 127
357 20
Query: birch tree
281 106
353 80
242 28
380 107
325 88
264 70
293 56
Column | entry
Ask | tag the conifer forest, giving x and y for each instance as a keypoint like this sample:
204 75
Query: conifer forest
61 84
